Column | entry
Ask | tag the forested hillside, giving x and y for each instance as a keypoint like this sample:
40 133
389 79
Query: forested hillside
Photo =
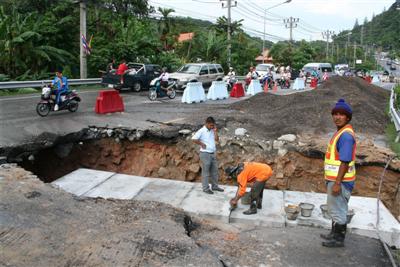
39 35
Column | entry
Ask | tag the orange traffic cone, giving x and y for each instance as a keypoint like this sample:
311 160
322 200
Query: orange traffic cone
266 87
275 89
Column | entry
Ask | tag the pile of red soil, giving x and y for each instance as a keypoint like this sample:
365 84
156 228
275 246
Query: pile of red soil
311 111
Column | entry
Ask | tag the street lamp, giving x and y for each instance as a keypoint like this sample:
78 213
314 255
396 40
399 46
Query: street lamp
265 14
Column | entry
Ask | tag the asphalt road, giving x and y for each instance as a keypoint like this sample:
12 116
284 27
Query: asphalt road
19 122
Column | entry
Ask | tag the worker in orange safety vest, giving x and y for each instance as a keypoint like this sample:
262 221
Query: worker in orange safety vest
253 173
340 173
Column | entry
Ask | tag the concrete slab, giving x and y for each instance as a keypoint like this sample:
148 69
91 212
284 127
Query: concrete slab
363 222
119 186
191 198
214 206
272 213
82 180
166 191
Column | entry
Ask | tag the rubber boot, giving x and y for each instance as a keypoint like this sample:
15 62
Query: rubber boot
252 210
339 235
330 235
259 204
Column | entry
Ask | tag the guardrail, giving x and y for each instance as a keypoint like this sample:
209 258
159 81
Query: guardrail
394 113
37 84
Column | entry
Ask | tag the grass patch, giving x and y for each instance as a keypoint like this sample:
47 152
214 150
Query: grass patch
391 135
20 91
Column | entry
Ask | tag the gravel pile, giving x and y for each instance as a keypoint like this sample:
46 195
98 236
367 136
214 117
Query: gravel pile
310 111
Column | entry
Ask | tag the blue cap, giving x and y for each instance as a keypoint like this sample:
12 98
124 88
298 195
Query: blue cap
342 107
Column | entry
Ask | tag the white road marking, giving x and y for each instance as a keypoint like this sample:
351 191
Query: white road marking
175 120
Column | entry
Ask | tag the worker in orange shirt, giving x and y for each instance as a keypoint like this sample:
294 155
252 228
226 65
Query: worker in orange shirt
253 173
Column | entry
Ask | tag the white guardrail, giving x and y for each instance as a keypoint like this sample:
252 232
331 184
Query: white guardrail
36 84
394 113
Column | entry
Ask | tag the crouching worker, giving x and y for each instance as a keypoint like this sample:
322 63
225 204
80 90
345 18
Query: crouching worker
250 172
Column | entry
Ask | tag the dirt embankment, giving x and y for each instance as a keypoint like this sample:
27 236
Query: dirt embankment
310 112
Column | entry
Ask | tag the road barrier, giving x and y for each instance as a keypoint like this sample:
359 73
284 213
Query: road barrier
109 101
254 87
394 113
217 91
193 93
299 84
237 90
38 84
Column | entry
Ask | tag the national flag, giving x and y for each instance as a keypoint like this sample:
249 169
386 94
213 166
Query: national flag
85 45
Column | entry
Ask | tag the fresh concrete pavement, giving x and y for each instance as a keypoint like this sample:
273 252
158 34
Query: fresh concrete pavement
189 197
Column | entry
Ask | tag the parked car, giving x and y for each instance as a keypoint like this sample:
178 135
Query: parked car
263 69
392 67
137 77
205 73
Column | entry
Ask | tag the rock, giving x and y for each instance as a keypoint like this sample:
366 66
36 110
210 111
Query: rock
162 172
109 132
117 140
266 146
31 158
194 168
185 131
278 144
223 141
240 131
287 138
131 137
63 150
139 134
282 152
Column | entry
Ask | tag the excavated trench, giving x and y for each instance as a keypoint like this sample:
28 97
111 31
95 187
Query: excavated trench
176 157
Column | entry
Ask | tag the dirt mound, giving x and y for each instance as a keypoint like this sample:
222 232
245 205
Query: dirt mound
310 111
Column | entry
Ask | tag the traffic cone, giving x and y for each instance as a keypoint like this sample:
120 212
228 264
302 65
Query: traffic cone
275 89
266 87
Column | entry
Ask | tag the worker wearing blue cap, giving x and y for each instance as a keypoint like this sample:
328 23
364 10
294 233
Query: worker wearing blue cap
340 173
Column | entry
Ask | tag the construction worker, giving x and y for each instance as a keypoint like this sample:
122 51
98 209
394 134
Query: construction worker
249 172
340 173
206 138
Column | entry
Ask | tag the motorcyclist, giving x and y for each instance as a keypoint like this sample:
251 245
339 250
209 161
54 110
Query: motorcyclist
60 84
231 76
164 77
252 75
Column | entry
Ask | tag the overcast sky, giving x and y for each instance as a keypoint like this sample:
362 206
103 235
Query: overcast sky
314 16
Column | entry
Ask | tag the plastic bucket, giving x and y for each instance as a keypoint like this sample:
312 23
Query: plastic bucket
324 211
292 211
306 209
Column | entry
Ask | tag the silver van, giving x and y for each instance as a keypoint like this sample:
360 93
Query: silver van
205 73
321 68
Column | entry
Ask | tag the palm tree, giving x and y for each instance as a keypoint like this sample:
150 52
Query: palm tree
165 24
222 26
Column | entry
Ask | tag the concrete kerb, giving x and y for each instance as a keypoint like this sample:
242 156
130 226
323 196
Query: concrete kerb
191 198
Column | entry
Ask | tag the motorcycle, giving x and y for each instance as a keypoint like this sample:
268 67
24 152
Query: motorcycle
230 81
69 100
267 79
156 91
283 83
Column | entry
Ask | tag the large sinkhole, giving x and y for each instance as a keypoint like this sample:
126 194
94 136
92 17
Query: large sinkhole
177 158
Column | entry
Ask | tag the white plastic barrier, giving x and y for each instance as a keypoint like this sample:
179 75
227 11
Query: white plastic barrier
254 87
218 90
193 93
375 79
299 84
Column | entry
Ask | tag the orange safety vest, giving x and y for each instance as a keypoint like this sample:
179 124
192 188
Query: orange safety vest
332 157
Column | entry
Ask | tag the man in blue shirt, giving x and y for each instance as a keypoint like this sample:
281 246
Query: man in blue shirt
60 83
340 173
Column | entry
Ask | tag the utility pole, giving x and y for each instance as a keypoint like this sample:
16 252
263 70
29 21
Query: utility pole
362 35
327 34
355 54
229 6
82 28
347 44
291 23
